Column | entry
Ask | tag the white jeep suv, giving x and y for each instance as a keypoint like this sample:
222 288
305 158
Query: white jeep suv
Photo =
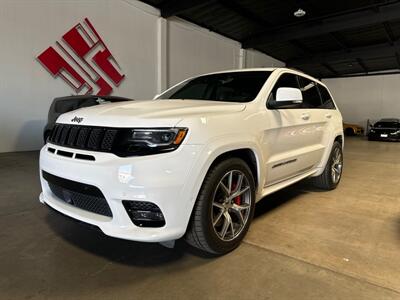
193 161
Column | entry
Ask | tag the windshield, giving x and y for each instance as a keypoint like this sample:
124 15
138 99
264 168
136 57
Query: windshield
226 87
387 125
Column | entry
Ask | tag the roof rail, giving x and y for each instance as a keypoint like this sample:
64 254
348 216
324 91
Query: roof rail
295 69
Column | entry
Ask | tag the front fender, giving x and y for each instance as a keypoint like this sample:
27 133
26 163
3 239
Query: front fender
217 147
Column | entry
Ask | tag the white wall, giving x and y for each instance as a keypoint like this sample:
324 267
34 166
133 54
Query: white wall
29 27
363 98
193 50
255 58
132 31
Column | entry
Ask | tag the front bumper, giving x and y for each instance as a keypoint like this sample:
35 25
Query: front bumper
168 180
386 137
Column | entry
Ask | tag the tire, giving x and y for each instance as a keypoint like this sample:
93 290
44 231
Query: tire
213 204
327 180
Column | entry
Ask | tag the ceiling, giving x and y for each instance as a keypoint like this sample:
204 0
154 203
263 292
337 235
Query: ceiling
334 38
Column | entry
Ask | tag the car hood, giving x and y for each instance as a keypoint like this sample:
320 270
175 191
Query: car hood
140 113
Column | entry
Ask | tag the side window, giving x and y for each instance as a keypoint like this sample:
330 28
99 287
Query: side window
309 89
286 80
327 102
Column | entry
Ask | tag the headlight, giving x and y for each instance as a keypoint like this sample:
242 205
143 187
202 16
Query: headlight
146 141
396 132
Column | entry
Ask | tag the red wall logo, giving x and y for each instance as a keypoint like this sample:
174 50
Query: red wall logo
83 61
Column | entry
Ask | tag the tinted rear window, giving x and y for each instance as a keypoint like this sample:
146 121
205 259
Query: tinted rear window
327 101
311 96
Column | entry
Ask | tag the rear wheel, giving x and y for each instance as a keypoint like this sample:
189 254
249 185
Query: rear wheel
224 208
332 174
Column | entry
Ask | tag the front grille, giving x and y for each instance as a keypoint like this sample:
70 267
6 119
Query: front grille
385 130
84 137
87 225
83 196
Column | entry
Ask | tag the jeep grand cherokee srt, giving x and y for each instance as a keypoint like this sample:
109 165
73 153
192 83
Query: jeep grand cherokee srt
193 161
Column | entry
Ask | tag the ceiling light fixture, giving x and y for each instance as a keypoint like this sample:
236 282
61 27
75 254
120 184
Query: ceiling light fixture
299 13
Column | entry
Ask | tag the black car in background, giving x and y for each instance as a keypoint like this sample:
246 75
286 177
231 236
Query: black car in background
385 130
62 105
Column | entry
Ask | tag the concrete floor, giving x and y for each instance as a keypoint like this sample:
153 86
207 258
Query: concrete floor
303 244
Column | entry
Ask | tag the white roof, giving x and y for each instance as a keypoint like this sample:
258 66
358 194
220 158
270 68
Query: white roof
268 70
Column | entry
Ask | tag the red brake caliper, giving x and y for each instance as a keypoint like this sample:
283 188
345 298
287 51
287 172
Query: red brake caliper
238 199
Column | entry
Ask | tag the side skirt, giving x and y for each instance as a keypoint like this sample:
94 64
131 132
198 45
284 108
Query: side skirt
282 184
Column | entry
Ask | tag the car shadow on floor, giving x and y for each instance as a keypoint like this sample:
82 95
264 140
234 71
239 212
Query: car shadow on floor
283 197
117 250
92 240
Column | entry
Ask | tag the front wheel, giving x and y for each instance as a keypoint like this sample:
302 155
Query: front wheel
224 208
332 174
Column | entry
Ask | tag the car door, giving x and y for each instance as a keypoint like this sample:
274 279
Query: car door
318 122
288 135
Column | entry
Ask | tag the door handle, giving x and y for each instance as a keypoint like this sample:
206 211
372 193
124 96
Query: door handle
305 117
328 116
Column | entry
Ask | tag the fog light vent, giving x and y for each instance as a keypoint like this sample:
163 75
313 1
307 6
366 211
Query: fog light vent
144 214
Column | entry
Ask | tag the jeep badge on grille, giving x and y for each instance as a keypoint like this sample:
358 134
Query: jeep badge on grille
77 120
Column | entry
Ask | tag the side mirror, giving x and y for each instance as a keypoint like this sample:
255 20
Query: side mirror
286 97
